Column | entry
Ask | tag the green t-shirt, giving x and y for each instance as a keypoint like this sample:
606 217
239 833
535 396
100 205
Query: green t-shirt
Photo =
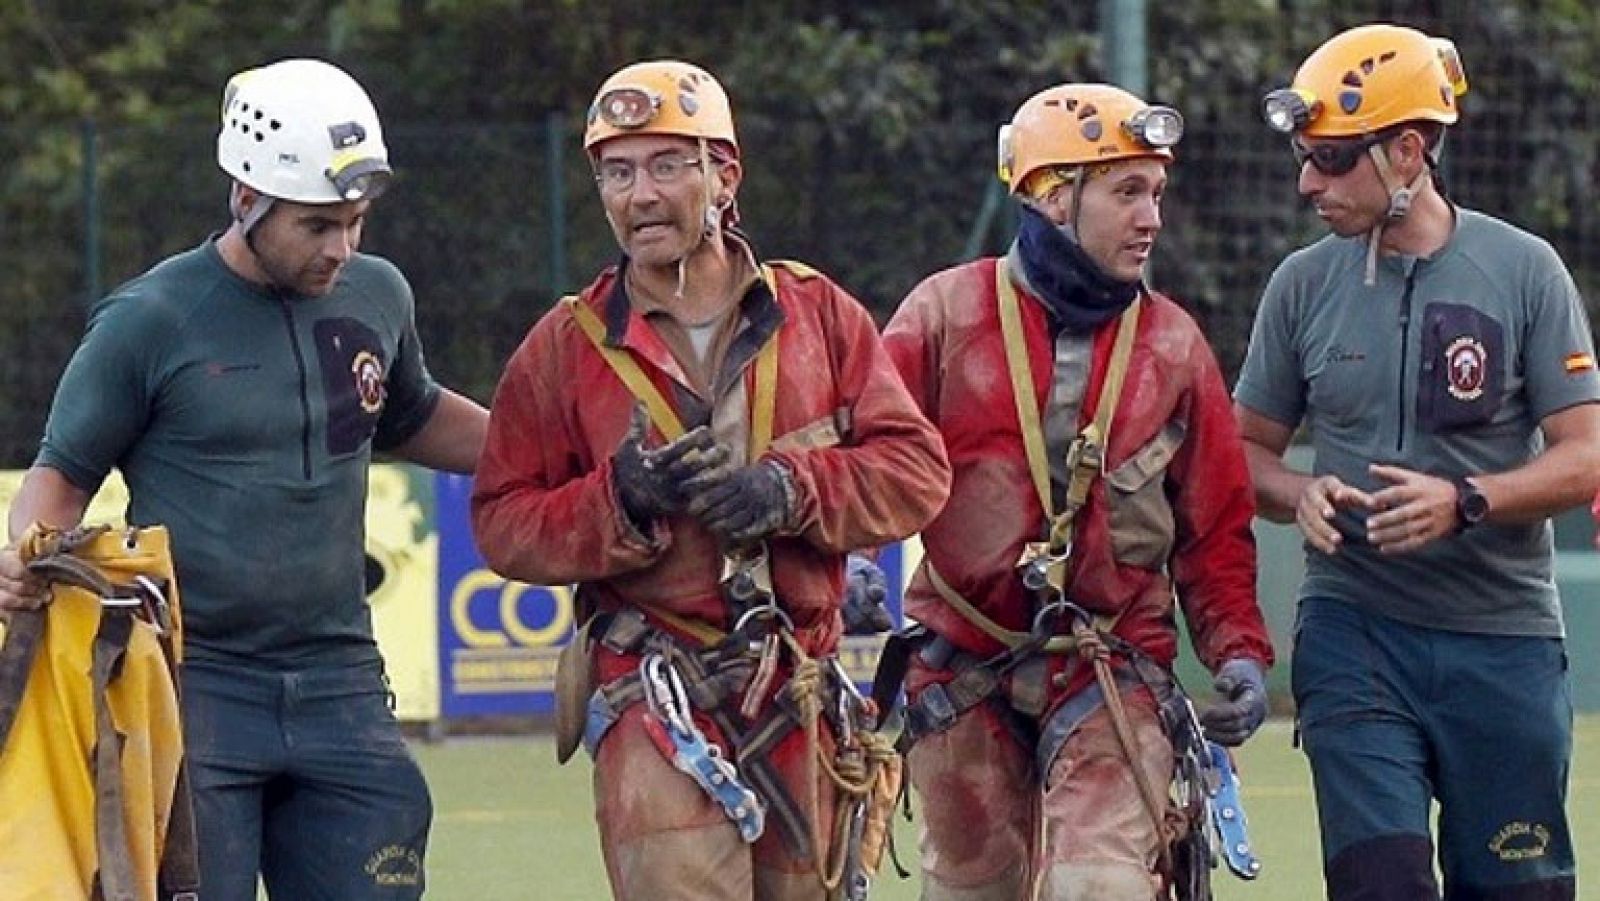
1446 366
244 421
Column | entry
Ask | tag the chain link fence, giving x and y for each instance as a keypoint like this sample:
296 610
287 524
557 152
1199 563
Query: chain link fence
494 221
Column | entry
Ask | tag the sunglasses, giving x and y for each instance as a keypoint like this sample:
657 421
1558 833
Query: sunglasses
1337 158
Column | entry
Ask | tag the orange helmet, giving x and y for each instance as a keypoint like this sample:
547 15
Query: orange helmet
1084 124
1369 78
660 97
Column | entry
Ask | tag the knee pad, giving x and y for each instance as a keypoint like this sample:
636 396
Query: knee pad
1385 868
1561 888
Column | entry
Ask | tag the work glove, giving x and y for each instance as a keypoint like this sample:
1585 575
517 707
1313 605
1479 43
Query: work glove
648 481
741 506
1243 685
865 588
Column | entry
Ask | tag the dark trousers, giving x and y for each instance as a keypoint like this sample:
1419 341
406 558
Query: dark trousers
303 776
1395 717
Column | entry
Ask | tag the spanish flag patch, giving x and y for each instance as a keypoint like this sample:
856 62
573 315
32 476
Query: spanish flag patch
1578 362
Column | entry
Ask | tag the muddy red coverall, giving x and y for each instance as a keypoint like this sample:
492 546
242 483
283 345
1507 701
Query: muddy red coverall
1170 516
545 511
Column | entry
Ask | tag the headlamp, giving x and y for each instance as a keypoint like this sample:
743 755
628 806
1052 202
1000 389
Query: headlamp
1288 110
628 108
1451 60
1004 156
359 177
1156 127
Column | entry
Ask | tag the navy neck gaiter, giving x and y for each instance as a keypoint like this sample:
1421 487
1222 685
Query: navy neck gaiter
1079 297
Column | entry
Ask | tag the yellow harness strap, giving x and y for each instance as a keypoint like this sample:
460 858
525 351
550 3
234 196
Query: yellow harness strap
627 369
1086 456
763 414
1059 644
763 404
708 635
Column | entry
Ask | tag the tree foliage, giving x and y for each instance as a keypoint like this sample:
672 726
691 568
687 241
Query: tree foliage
868 132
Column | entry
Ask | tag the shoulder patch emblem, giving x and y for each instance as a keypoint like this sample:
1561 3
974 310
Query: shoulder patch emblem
368 372
1575 363
1466 367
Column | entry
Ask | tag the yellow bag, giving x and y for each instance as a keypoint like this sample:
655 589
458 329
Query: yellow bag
53 845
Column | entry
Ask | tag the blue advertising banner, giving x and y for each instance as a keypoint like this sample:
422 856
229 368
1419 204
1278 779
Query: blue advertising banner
499 640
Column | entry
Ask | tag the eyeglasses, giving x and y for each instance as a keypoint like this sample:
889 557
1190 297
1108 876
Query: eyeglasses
1335 158
619 175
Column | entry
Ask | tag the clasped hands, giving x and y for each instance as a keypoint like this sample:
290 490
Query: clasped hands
1413 510
694 475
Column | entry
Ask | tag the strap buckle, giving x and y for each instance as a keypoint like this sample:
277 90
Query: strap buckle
153 601
1043 569
747 578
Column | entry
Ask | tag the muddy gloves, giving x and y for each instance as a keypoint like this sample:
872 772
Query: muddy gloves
742 506
1243 686
649 483
865 588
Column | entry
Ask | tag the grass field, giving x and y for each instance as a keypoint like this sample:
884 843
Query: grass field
512 826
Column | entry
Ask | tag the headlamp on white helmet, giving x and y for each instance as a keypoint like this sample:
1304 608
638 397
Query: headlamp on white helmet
302 130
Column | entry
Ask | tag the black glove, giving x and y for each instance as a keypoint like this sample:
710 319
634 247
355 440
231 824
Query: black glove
865 588
648 481
1244 685
742 506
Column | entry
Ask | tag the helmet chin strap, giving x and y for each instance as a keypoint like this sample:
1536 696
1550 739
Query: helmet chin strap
248 219
1400 198
1078 179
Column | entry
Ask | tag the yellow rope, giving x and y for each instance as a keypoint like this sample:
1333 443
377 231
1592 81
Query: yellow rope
854 777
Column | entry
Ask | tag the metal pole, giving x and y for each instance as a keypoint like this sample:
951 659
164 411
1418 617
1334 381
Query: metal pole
994 200
1122 31
556 207
91 211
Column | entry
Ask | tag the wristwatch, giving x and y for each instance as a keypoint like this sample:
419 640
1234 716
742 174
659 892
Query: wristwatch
1471 504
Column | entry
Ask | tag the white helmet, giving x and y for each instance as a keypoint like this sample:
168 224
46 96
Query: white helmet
302 130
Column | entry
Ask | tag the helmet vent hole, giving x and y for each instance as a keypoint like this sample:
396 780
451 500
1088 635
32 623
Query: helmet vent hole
1351 79
247 165
1386 56
276 125
1088 111
260 137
